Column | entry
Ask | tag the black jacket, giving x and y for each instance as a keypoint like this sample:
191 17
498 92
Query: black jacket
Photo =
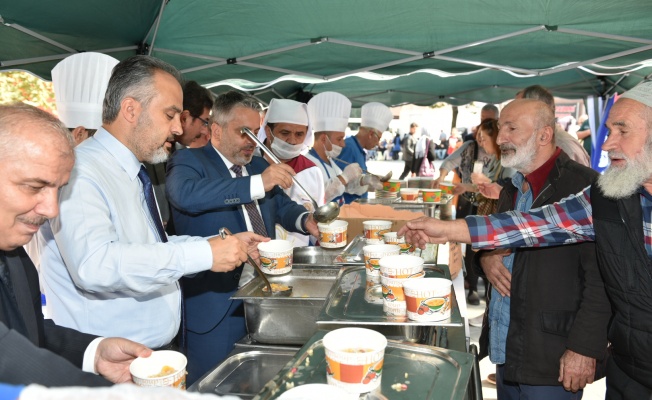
48 355
627 272
558 300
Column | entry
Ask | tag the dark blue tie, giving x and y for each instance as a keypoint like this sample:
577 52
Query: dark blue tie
151 203
156 218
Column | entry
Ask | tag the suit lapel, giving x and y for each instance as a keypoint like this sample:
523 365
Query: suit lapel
23 293
216 168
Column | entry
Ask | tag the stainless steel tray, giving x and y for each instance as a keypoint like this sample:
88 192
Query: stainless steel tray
429 373
314 256
287 320
346 304
352 254
245 372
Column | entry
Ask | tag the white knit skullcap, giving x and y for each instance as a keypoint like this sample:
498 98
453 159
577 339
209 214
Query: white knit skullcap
641 93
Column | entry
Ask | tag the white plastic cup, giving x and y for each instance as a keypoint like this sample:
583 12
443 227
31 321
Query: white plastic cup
354 358
275 257
333 235
374 252
374 230
145 371
393 295
428 299
400 266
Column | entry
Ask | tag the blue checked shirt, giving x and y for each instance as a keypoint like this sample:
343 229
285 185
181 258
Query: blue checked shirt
568 221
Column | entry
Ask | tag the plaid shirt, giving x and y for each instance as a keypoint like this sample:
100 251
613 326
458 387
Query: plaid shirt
568 221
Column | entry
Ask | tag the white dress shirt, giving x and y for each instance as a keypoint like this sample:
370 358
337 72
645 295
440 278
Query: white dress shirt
103 267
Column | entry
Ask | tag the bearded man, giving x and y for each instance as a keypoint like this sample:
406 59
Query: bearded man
616 213
556 310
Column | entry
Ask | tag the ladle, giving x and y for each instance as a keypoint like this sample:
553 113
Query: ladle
324 214
385 178
224 232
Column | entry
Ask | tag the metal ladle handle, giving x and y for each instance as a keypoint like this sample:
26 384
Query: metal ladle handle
277 161
224 232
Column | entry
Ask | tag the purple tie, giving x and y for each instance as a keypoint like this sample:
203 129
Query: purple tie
254 215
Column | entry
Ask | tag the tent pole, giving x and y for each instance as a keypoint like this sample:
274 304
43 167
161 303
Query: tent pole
158 21
604 35
487 65
377 66
275 51
41 37
494 39
575 65
59 56
283 70
194 55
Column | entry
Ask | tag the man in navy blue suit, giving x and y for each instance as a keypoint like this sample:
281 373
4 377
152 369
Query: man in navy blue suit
223 185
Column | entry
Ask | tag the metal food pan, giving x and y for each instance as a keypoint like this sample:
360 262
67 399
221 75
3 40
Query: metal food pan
245 372
350 304
287 320
427 373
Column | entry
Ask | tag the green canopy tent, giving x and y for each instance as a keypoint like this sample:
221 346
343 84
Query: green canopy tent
394 52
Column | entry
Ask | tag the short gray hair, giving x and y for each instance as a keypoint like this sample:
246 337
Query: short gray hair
492 109
14 115
222 111
540 93
134 77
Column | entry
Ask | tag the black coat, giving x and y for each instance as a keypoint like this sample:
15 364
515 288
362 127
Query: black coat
558 300
627 271
48 355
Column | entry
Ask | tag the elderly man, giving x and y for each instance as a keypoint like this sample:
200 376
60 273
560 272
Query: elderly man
566 142
286 130
615 213
374 121
225 185
108 267
560 286
329 114
36 158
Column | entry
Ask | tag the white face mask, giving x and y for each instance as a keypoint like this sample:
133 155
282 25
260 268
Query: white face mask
335 151
284 150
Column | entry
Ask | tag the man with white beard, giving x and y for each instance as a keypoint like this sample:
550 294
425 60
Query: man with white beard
527 352
616 213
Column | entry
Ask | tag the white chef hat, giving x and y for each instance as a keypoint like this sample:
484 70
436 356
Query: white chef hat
290 112
80 83
329 111
641 93
376 116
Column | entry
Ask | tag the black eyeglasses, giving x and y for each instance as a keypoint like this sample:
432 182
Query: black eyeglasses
205 122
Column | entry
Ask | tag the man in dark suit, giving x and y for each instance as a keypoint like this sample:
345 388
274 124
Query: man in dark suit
36 158
223 185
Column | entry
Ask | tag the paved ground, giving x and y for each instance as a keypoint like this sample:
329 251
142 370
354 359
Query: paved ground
594 391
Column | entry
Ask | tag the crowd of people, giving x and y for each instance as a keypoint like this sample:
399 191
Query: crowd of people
121 218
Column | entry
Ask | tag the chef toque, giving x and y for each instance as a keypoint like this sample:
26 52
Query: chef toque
329 111
641 93
376 116
80 83
290 112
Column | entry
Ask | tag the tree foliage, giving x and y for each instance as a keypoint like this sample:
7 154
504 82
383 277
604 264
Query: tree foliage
22 86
